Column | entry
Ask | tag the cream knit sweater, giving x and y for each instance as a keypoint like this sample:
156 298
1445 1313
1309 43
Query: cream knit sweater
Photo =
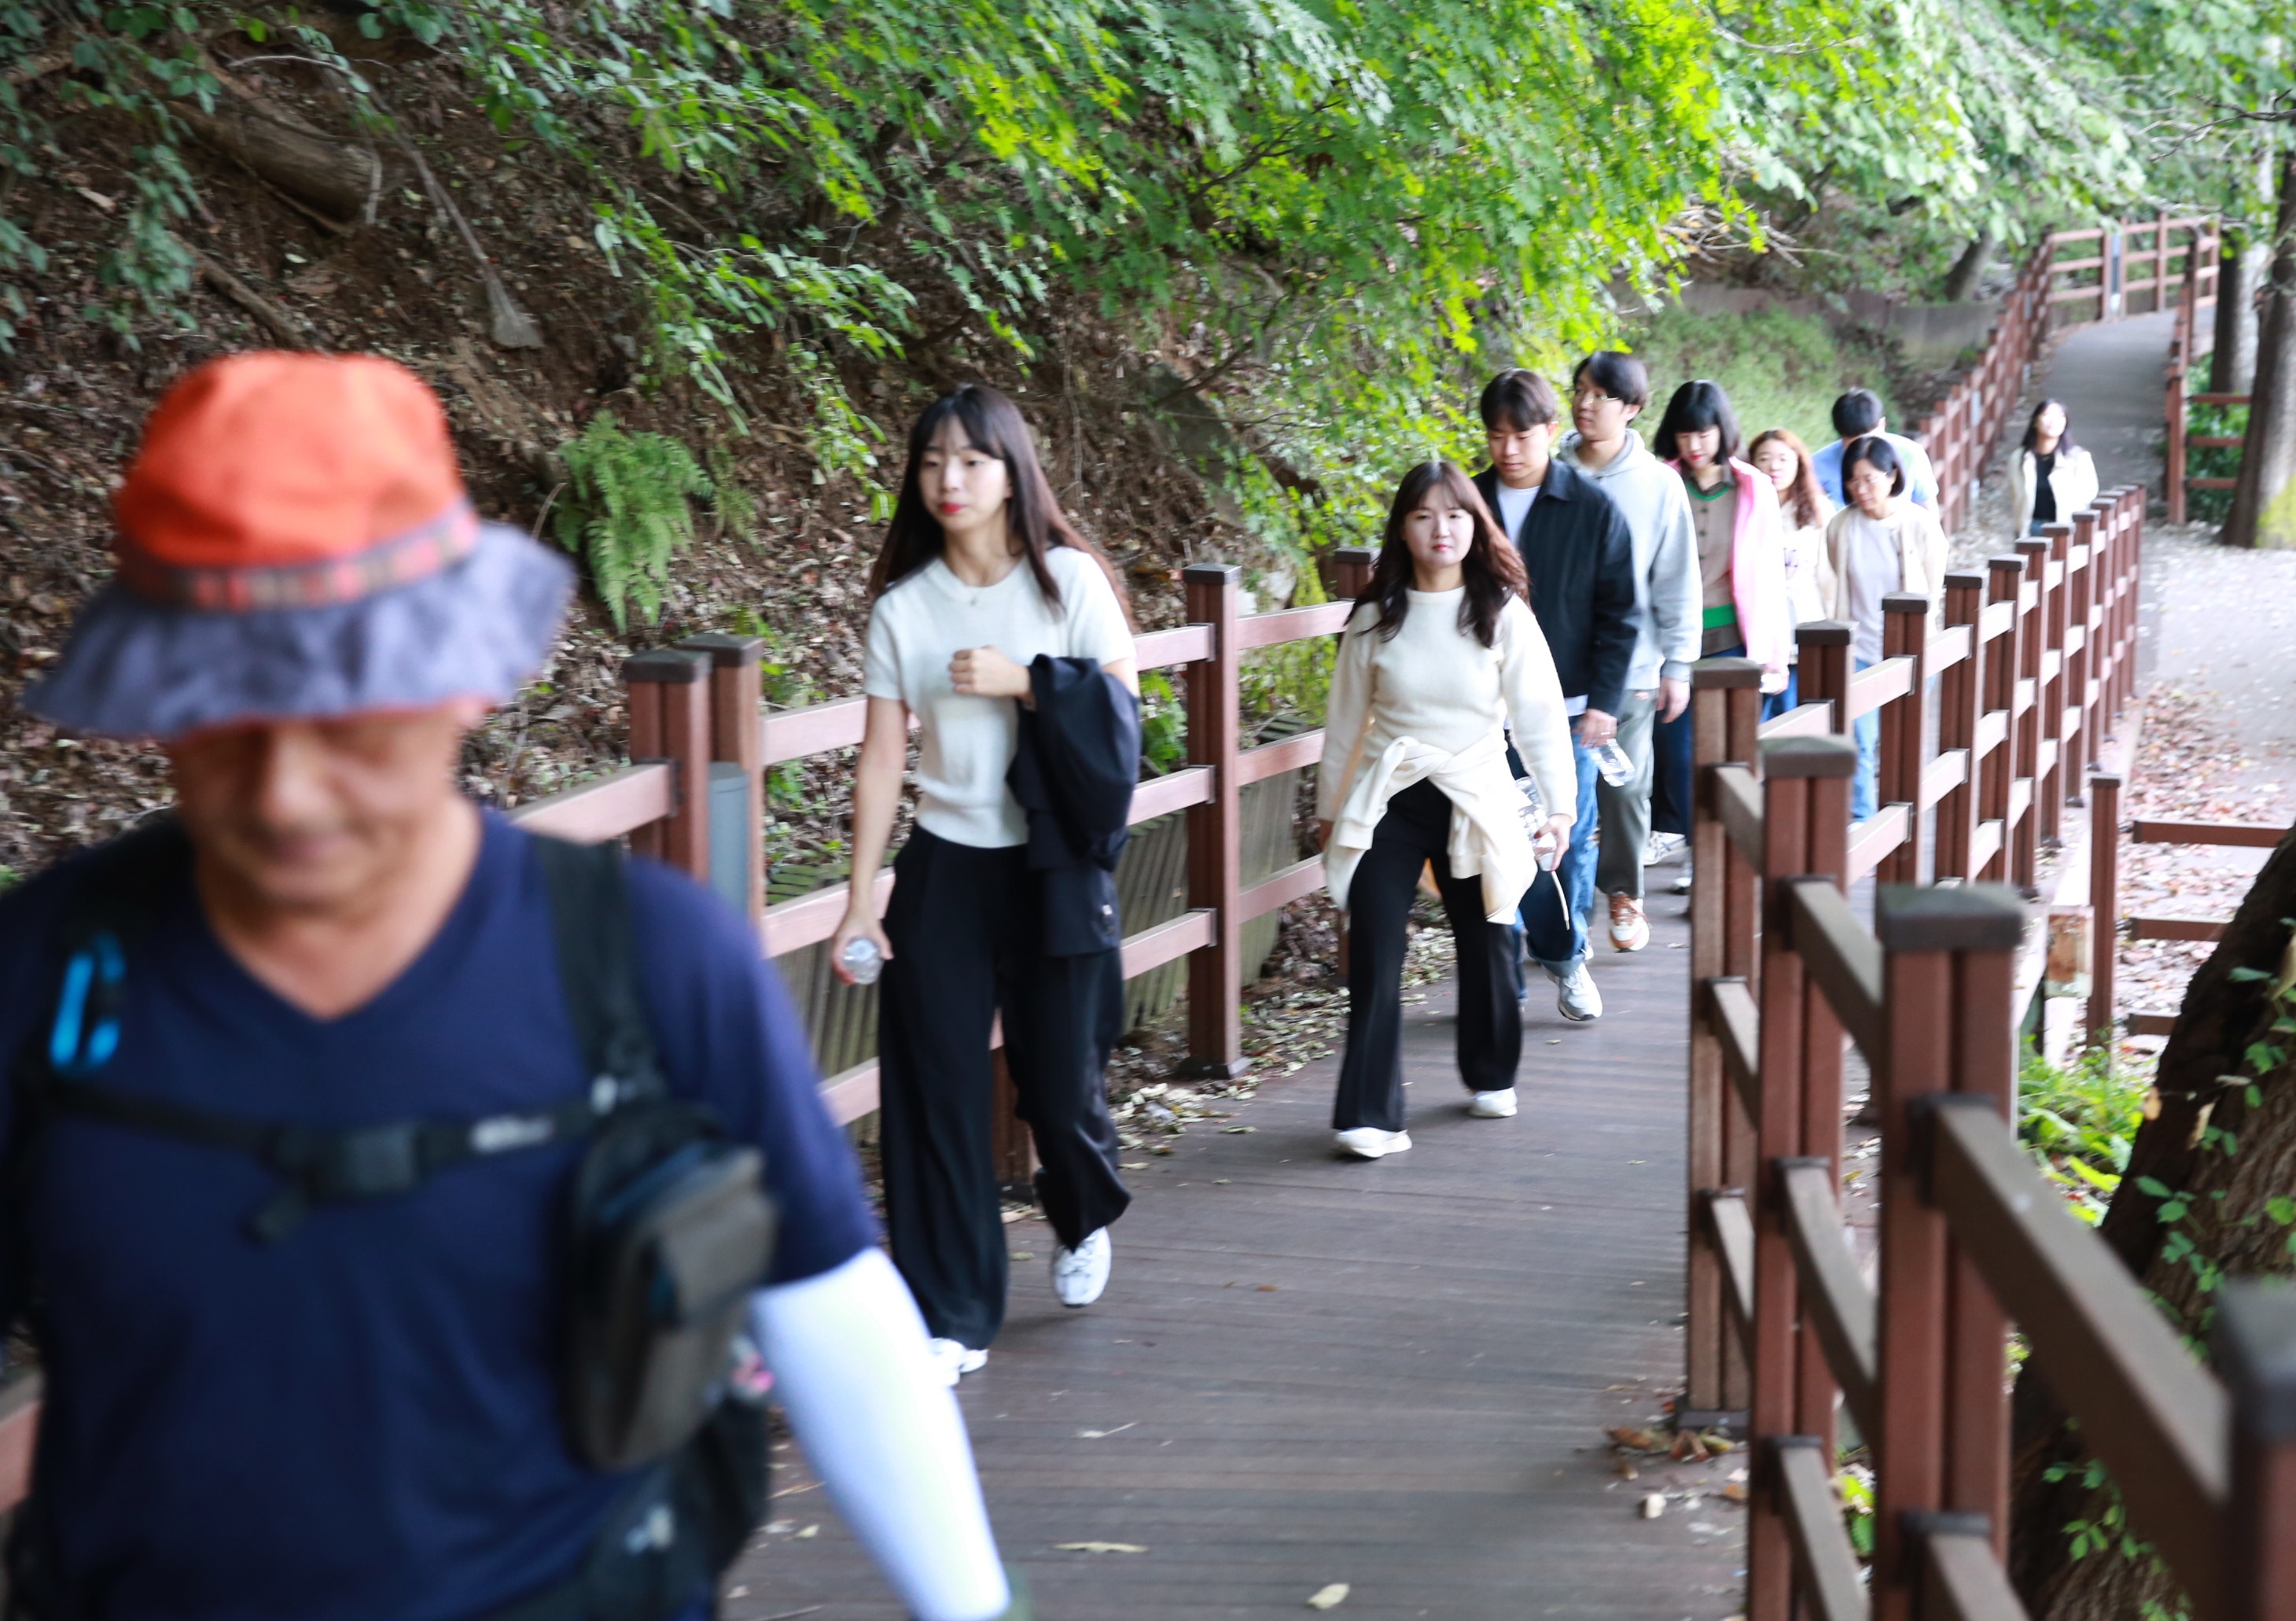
1445 697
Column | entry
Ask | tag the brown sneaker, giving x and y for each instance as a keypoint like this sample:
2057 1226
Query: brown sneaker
1629 929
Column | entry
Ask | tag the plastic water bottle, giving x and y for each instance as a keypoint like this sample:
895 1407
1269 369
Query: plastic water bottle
1543 844
1613 762
862 960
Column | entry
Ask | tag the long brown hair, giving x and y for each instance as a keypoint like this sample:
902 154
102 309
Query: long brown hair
1493 567
991 424
1804 499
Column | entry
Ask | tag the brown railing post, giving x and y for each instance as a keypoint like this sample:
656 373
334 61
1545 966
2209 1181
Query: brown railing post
2256 1348
1905 730
1721 942
1823 663
1961 700
2103 902
2082 693
2049 696
1351 567
1794 770
2133 503
737 737
2173 468
1947 1025
2032 634
670 720
2006 582
1215 841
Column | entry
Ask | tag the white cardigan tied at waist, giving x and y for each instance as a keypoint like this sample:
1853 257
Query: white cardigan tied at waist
1487 836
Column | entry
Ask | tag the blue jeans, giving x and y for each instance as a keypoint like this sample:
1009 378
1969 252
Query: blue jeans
1864 792
1575 878
1778 702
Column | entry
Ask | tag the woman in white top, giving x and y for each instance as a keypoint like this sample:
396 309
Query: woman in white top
979 575
2051 478
1440 655
1880 543
1782 457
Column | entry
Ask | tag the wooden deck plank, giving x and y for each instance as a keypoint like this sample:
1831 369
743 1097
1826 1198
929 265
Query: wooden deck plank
1415 1408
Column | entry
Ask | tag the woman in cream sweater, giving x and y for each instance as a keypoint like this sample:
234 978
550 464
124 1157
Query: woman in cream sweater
1439 657
2050 478
1879 543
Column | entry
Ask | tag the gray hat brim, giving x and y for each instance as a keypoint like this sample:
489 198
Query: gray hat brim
139 669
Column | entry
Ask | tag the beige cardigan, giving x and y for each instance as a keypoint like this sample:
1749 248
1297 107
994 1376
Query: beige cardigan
2073 479
1920 555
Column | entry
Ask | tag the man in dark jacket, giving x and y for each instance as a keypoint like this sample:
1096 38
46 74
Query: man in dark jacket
1580 558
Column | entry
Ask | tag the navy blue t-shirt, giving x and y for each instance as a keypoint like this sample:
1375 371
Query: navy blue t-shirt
360 1422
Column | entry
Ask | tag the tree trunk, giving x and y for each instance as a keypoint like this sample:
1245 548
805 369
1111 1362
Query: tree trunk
2264 502
2201 1086
1961 280
333 177
2232 366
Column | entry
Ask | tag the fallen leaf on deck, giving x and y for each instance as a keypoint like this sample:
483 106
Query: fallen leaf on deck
1102 1435
1653 1505
1628 1471
1637 1440
1236 1130
1101 1548
808 1531
1329 1598
1024 1255
1735 1492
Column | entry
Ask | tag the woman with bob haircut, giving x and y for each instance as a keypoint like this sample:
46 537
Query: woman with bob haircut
1879 543
980 575
2051 478
1744 607
1440 654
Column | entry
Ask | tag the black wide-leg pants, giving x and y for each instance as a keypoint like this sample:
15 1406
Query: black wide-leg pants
966 932
1416 829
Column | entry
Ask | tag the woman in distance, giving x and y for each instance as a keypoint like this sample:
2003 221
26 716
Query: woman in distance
1439 657
2051 478
980 575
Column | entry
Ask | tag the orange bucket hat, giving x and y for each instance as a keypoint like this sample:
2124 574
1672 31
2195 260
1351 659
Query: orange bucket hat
294 539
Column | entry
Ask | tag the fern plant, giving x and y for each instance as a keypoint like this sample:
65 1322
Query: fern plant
626 510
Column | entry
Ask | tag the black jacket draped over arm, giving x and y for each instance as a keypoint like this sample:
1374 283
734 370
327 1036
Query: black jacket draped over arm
1078 757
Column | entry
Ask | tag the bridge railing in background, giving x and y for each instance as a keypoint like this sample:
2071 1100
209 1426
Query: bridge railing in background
695 709
2194 336
2107 834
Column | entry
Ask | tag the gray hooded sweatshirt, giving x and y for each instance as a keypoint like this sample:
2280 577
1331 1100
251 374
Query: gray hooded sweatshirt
1667 592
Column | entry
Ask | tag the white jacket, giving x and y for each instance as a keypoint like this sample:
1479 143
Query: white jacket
2072 481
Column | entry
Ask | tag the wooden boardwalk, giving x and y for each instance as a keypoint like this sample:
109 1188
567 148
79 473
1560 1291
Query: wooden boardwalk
1395 1376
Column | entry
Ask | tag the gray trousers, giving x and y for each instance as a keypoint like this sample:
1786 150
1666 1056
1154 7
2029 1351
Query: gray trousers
1625 810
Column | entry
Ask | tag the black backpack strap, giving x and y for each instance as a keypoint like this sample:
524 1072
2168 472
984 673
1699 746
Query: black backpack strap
597 960
590 920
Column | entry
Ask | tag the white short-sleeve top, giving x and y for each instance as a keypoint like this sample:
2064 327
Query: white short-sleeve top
965 743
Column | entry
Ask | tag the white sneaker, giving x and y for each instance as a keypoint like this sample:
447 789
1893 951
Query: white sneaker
1493 1106
953 1357
1682 879
1629 929
1369 1142
1663 846
1079 1274
1575 996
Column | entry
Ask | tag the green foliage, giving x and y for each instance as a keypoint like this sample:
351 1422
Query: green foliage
1780 370
2079 1121
2212 461
1163 722
1854 1483
626 509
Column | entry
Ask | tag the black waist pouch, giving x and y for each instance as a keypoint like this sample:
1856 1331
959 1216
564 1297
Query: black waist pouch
672 1231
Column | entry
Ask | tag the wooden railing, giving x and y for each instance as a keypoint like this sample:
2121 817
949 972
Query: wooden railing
698 702
2107 834
2194 336
1972 1242
2104 277
1959 431
1782 1326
